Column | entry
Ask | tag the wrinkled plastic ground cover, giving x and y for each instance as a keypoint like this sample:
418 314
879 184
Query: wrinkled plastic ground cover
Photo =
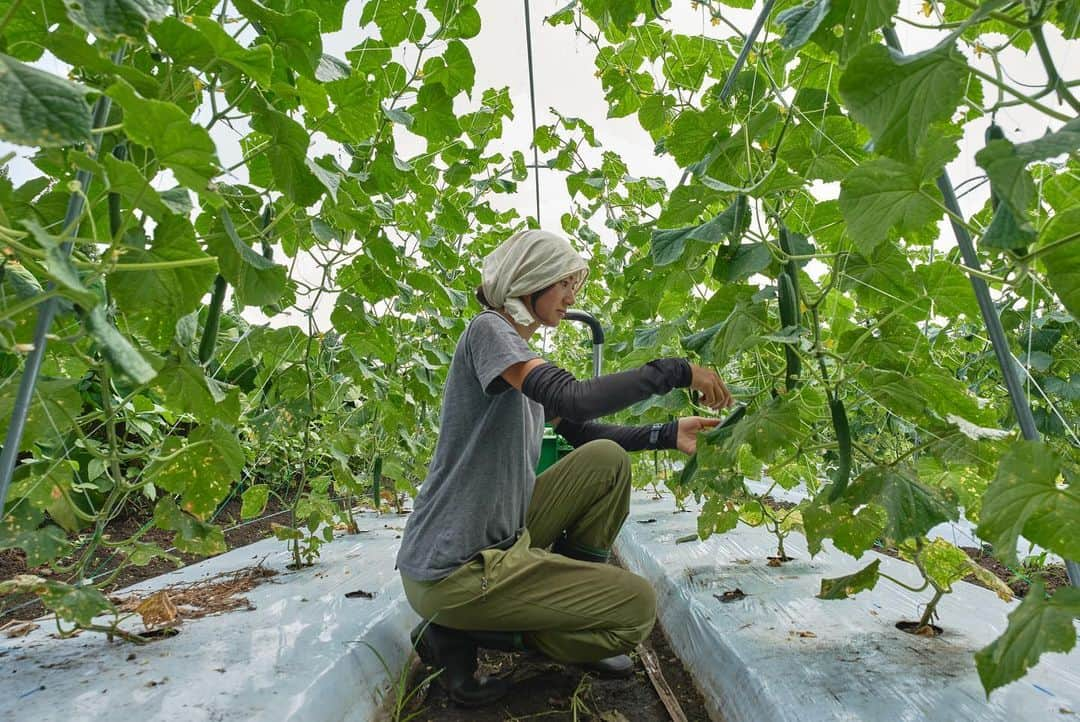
779 653
300 654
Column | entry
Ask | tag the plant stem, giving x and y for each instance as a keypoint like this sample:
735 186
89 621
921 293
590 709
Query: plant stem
1053 80
1016 93
908 587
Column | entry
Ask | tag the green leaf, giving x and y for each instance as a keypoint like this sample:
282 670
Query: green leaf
78 604
454 70
153 301
827 150
254 500
852 532
140 553
125 179
202 43
950 289
55 404
801 21
257 281
287 153
110 19
717 516
202 470
60 268
772 427
39 109
1063 261
118 349
668 245
850 24
192 536
397 20
694 132
179 144
1038 625
912 507
1006 163
747 259
884 194
1025 498
1007 231
295 34
944 563
357 109
433 115
187 389
850 585
20 530
898 98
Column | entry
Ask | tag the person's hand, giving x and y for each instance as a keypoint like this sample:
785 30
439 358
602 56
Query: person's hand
708 383
689 427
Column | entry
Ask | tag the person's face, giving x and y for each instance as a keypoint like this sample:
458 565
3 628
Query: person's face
553 304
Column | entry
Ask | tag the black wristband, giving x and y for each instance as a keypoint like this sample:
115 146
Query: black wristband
631 438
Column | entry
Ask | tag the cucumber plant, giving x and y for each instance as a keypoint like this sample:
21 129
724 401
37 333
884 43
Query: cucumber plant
900 420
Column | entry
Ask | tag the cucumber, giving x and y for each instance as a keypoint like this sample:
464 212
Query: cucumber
789 302
994 132
115 218
843 440
376 479
267 249
790 266
213 318
789 316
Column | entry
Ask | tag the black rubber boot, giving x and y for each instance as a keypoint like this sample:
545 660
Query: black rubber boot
454 652
502 641
618 667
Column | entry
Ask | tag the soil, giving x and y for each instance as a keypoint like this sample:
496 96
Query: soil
552 692
1053 576
926 630
13 561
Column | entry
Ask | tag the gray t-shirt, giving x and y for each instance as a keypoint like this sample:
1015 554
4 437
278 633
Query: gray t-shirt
480 481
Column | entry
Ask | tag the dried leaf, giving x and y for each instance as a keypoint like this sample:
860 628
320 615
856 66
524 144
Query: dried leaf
157 610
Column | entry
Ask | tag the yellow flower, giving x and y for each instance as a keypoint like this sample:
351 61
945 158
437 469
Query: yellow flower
928 9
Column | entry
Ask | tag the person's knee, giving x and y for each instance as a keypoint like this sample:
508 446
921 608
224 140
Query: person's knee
640 613
642 603
608 455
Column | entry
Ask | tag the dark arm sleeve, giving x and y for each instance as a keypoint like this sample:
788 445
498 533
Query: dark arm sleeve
564 396
631 438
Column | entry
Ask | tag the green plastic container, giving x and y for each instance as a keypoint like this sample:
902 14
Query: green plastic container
553 448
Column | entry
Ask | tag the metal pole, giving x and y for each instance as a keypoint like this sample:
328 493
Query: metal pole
989 313
47 311
729 83
532 104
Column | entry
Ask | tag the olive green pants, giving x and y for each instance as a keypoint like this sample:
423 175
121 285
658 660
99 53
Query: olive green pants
571 610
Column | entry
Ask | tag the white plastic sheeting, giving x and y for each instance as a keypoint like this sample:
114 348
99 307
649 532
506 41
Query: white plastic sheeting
782 654
300 654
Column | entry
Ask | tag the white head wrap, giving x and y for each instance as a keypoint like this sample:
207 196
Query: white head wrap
524 263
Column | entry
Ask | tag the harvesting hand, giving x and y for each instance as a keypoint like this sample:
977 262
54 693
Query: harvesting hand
708 383
689 428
